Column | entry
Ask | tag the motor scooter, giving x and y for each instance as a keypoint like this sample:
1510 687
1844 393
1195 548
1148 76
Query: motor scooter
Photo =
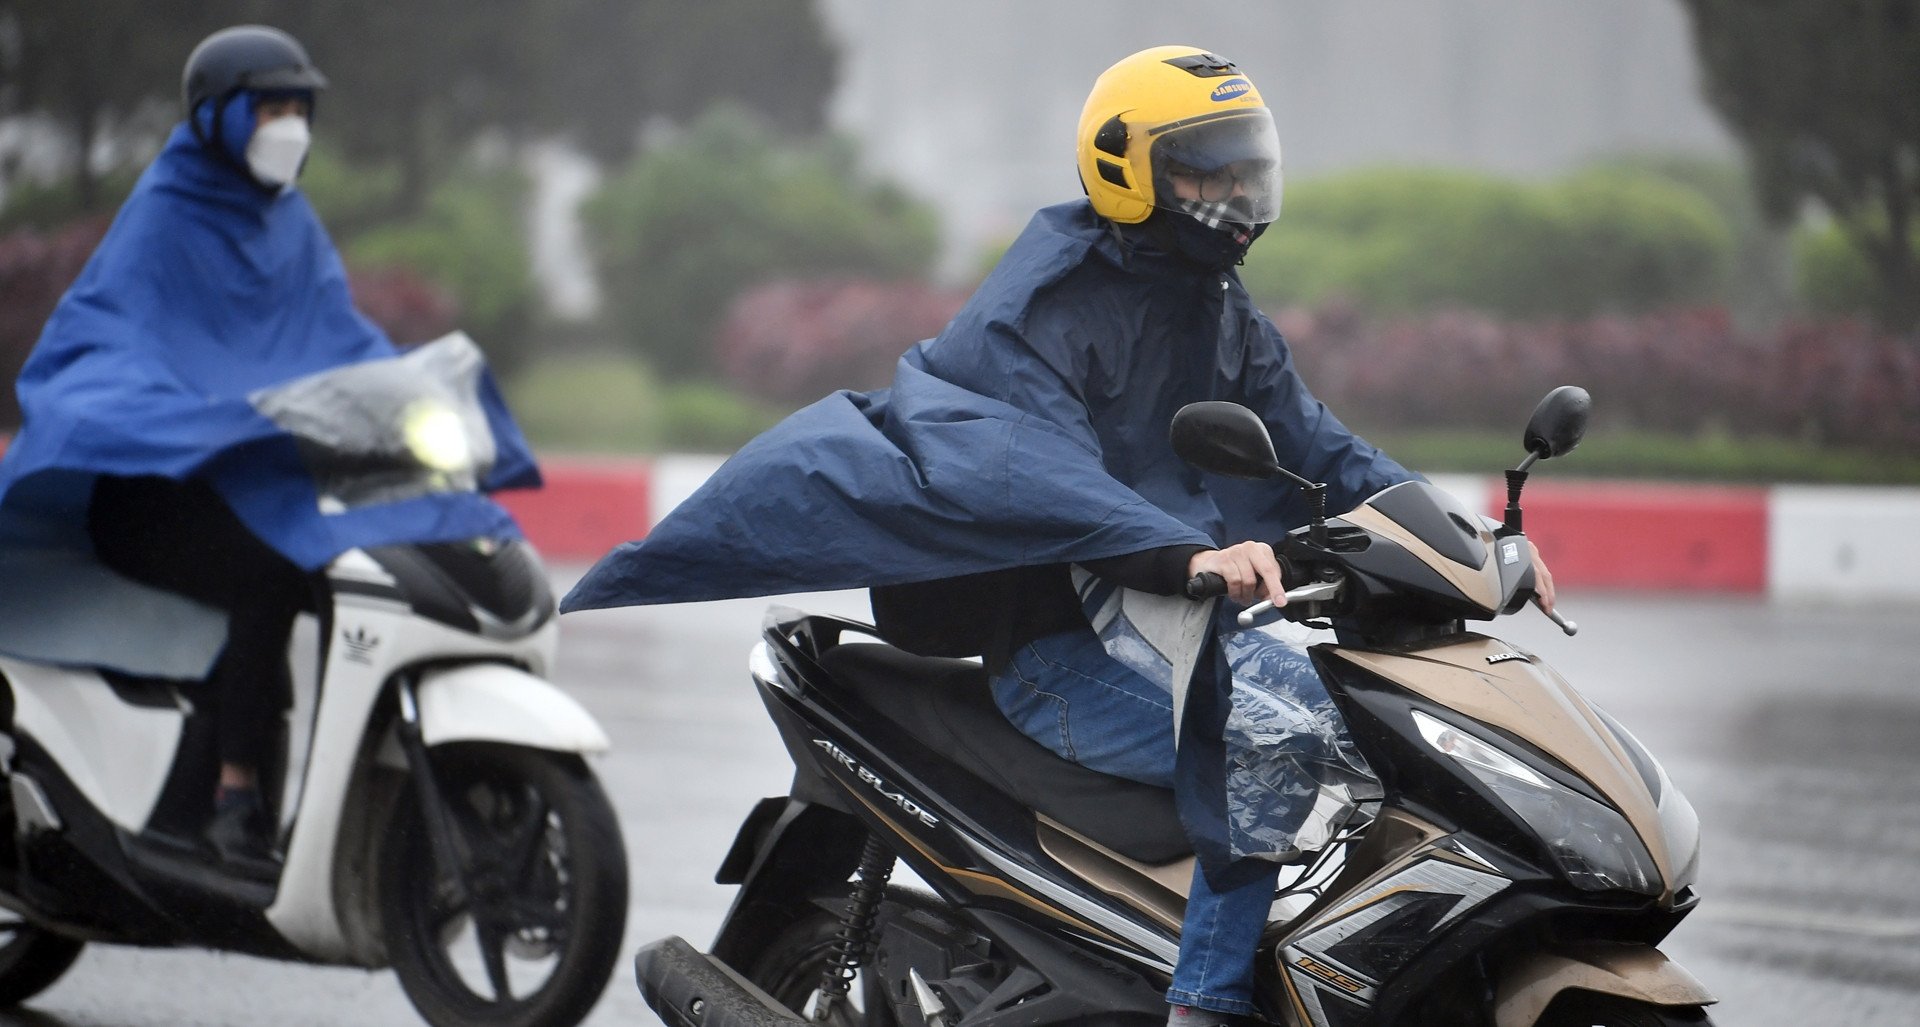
440 817
1518 864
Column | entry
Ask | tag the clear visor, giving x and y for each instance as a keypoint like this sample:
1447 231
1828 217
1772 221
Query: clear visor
1223 169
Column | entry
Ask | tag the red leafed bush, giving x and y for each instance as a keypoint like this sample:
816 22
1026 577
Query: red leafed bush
1836 382
797 341
35 269
406 306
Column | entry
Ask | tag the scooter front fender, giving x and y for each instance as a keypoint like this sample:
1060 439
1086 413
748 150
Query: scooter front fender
1529 983
494 702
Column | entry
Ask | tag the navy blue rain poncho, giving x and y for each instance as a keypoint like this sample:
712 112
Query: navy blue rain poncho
206 289
1033 430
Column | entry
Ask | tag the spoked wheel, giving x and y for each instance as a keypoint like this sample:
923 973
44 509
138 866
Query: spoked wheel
31 959
525 932
1590 1009
789 968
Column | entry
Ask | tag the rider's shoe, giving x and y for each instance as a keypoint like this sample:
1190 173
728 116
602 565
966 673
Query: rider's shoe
238 834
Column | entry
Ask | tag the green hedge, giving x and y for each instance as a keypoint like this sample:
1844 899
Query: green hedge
1402 239
612 403
470 240
1834 276
698 219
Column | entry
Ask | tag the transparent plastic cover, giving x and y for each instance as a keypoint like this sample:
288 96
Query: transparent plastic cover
392 429
1295 781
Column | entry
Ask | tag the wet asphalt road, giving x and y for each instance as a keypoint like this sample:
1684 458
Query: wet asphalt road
1795 731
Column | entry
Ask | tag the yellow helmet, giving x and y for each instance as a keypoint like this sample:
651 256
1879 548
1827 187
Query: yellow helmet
1180 128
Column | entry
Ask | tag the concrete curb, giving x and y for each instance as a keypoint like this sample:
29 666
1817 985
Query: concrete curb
1835 543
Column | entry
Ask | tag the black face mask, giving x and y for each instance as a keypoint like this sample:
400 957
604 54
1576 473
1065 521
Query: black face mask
1215 249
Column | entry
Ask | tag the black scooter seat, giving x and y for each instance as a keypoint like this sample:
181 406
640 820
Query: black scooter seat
947 706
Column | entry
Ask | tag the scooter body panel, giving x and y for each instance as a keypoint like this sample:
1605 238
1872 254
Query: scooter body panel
1529 983
115 752
376 636
494 702
1494 683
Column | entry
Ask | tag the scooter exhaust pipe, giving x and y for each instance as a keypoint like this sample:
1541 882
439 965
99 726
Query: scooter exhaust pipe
689 988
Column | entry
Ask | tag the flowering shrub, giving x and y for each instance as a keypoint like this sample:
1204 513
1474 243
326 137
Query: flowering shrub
797 341
406 306
1835 383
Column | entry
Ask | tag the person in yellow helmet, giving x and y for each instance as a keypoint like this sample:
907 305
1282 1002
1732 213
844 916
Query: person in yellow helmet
1017 481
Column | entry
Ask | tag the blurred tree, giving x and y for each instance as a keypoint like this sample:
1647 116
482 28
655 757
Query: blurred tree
415 82
1825 95
93 66
693 222
612 64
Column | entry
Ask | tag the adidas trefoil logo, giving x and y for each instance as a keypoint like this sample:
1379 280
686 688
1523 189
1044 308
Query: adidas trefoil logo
360 645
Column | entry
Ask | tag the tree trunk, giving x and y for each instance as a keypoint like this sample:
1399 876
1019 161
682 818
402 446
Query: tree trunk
86 183
1899 270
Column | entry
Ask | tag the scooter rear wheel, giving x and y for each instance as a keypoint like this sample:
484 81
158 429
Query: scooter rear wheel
526 933
31 959
789 966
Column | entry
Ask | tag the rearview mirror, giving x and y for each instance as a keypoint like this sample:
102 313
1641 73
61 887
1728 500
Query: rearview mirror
1225 438
1558 423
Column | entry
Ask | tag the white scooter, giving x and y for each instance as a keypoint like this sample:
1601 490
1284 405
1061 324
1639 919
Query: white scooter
439 819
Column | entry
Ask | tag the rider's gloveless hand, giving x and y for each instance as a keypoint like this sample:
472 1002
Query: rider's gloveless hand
1542 581
1249 568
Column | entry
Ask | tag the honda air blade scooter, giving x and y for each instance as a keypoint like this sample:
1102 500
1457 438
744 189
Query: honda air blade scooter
1523 860
441 818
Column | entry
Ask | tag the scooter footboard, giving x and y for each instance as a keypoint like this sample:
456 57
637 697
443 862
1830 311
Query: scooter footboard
689 988
494 702
1530 982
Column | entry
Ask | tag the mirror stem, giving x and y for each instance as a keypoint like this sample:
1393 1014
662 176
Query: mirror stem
1516 480
1317 505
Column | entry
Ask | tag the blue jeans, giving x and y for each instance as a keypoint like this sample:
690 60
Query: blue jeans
1066 693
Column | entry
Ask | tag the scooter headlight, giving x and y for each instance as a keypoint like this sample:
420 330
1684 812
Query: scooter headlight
1592 844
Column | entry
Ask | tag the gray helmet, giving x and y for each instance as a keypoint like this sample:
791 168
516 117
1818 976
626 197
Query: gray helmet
247 57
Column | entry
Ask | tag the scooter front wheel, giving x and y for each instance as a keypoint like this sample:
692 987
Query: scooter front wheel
525 932
31 959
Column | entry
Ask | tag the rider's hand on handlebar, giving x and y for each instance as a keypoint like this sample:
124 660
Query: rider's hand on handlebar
1250 570
1542 581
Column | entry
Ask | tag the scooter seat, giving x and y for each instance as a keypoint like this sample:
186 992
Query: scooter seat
946 705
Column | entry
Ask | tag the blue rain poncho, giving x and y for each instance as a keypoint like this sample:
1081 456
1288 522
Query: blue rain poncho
1033 430
206 291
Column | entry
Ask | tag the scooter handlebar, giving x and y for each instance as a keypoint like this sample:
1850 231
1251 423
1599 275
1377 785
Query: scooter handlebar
1206 585
1566 625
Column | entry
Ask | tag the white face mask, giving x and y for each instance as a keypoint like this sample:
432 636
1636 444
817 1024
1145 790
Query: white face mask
277 150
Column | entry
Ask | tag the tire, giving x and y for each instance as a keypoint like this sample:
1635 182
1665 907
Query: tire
1591 1009
553 898
790 965
31 959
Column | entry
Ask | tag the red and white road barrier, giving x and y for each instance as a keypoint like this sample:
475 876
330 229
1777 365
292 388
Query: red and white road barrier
1794 542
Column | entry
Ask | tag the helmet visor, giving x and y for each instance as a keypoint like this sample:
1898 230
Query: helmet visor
1225 168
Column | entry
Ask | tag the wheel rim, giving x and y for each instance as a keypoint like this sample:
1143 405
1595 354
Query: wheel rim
501 942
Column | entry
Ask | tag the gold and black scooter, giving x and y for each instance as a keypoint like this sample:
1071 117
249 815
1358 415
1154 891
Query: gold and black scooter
1524 860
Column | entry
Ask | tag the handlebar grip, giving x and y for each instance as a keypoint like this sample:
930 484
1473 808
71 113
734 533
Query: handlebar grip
1206 585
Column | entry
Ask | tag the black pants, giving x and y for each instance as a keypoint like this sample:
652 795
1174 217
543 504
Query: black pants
182 537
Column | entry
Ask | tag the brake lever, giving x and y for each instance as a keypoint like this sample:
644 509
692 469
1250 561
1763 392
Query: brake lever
1311 592
1566 625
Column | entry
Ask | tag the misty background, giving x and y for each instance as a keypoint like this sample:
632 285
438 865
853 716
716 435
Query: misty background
670 224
